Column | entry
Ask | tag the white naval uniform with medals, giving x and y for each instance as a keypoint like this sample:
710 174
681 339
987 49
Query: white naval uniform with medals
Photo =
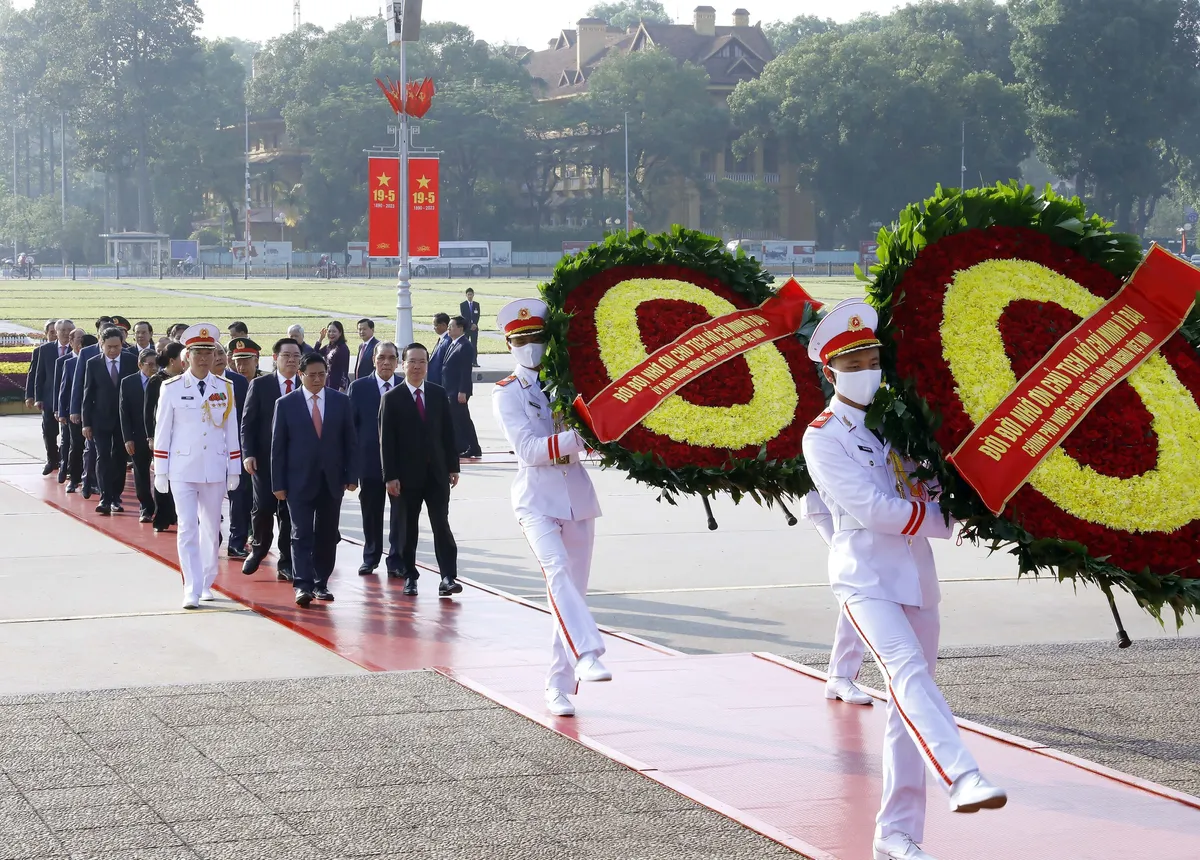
196 447
556 506
882 571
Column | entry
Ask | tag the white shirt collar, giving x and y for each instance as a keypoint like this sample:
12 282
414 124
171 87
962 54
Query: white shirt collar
320 395
413 390
283 382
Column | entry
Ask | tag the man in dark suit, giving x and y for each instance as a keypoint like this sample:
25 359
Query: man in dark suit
90 351
441 322
48 330
469 311
296 333
364 366
313 464
420 465
243 353
133 430
458 380
125 326
366 393
41 372
74 432
256 457
101 415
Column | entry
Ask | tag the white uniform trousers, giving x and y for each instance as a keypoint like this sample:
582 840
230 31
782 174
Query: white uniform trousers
920 731
846 655
564 550
198 507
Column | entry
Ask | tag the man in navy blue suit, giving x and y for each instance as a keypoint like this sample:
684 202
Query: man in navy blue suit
101 415
441 322
364 365
313 463
366 393
64 373
41 372
133 430
458 380
89 352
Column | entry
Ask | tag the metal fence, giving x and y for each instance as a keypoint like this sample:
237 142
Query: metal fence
243 271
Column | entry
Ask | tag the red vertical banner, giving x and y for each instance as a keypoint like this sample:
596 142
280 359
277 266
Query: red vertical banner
383 222
423 203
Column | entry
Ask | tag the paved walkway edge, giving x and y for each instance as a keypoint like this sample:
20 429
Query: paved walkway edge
678 786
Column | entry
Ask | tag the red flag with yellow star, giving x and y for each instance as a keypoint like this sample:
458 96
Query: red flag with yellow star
424 201
383 221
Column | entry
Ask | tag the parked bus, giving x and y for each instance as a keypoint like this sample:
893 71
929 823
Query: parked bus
454 258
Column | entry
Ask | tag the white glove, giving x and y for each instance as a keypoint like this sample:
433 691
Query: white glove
162 484
234 480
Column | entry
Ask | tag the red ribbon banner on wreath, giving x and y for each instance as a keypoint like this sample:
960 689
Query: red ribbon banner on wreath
999 455
639 391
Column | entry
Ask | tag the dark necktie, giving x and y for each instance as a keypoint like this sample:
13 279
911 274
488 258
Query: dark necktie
201 387
420 403
878 436
289 386
387 386
112 370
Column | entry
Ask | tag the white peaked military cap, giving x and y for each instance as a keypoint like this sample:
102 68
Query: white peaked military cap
201 336
848 327
522 316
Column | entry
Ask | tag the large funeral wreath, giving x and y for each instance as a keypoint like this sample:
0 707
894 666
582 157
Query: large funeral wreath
973 288
736 429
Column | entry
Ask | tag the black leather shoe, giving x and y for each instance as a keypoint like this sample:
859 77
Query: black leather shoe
48 468
62 477
323 594
366 570
410 586
161 528
144 517
394 574
303 598
102 509
116 509
448 586
251 564
87 491
237 552
72 487
283 573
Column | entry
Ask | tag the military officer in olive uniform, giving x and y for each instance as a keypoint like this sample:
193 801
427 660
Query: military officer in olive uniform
554 502
882 571
197 457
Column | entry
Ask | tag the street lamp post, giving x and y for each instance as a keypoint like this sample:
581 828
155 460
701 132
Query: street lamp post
403 25
628 211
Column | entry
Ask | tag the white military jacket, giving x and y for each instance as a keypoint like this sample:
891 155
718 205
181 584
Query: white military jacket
196 436
551 481
880 519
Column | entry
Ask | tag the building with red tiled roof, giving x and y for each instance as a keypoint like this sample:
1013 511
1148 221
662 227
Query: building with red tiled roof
729 54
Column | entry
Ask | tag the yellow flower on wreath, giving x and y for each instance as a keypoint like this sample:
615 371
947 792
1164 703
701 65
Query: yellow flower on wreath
1162 500
770 410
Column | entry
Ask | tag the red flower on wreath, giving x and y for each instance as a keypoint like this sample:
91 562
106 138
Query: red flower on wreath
662 321
1116 437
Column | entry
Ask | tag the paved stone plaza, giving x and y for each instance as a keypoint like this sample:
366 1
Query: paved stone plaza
404 765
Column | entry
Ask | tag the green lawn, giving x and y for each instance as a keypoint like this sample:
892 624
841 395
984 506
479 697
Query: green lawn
269 306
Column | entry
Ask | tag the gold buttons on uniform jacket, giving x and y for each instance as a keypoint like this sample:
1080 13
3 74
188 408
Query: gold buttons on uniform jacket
910 541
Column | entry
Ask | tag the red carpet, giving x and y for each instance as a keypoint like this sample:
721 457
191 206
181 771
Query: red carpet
745 734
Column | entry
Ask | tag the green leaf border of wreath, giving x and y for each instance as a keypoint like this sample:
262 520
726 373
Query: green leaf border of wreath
905 415
765 481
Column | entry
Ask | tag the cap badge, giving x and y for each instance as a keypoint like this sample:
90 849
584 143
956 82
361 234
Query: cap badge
523 314
855 323
203 332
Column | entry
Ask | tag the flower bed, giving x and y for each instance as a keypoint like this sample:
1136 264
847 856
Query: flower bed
738 427
14 367
974 290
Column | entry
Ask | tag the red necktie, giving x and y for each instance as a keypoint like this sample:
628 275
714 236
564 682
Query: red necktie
316 416
420 403
289 386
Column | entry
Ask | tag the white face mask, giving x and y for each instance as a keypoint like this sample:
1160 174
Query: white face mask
858 386
529 355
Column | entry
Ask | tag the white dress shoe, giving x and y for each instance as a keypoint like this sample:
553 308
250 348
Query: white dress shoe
971 793
208 595
899 846
190 603
847 691
589 668
558 704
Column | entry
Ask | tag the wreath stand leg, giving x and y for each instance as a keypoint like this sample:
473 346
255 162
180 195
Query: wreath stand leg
712 521
1123 640
787 515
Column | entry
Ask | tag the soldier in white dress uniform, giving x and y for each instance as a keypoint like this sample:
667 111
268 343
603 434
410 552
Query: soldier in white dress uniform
198 458
883 575
554 501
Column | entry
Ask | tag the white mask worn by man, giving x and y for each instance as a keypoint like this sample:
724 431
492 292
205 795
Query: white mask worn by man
529 355
858 386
